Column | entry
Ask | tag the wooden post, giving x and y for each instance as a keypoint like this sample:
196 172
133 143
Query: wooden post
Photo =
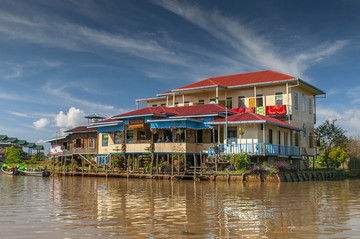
157 163
133 160
178 164
194 166
53 170
128 162
201 163
152 163
216 163
172 165
65 161
83 165
168 159
72 163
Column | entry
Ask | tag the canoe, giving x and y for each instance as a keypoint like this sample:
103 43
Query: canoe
5 169
35 172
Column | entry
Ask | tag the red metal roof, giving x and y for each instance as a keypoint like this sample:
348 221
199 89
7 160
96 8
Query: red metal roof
249 116
238 80
80 129
177 111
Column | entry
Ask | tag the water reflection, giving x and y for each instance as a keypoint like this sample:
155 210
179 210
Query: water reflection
81 207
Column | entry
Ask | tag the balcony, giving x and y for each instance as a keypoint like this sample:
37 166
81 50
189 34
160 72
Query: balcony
255 149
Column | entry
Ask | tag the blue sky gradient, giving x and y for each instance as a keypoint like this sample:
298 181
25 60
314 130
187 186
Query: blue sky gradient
61 60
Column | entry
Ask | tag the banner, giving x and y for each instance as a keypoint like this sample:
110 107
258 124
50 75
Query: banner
276 110
56 149
260 110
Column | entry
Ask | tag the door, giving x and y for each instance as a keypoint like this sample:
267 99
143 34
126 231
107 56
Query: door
252 102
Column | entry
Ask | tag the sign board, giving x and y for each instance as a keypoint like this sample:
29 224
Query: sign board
56 149
136 123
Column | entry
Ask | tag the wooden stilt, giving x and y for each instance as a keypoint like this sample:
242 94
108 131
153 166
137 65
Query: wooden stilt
53 169
72 163
128 166
83 165
216 163
201 163
65 161
132 162
172 165
178 171
157 163
152 164
194 166
168 159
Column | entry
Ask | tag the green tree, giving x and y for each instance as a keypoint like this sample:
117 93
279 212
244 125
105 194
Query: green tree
40 156
330 135
14 155
337 156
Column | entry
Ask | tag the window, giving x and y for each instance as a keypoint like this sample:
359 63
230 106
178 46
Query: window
212 100
259 100
285 138
201 102
142 135
105 140
163 104
78 143
199 136
229 102
214 135
176 103
303 102
304 131
117 138
65 145
279 139
311 140
232 135
154 105
296 101
270 136
279 98
187 102
297 140
167 136
241 102
91 142
310 106
129 135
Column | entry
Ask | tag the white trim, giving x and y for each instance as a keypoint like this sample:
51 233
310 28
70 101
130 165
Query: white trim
191 116
135 116
254 122
177 119
153 98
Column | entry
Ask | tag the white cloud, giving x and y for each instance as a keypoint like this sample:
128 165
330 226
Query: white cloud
41 123
348 119
247 44
73 118
19 114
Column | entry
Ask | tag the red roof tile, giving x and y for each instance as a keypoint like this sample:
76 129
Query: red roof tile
80 129
238 80
177 111
248 116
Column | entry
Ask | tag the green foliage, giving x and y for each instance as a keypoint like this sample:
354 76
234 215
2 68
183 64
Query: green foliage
119 161
330 136
354 163
240 161
337 156
40 156
14 155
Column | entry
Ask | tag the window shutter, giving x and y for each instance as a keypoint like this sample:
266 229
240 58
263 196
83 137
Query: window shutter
86 143
74 143
82 143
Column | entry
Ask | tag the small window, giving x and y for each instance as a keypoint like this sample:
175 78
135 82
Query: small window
176 103
303 102
213 100
241 102
78 143
297 139
259 100
304 132
129 135
201 102
311 140
187 102
296 101
163 104
310 106
229 102
105 140
117 138
154 105
142 135
279 98
91 142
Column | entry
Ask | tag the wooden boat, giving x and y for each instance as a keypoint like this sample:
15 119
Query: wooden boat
5 169
35 172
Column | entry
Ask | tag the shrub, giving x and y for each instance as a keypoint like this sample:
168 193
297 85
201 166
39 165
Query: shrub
240 161
230 168
282 166
258 169
354 163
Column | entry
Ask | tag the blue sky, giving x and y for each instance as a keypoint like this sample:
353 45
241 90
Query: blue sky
61 60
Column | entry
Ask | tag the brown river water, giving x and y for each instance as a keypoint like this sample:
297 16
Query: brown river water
84 207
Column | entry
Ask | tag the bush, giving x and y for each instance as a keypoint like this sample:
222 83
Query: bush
258 169
230 168
354 163
240 161
14 155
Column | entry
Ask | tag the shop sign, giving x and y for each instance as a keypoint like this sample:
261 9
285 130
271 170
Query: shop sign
56 149
136 123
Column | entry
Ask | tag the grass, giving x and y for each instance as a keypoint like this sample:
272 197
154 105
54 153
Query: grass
234 172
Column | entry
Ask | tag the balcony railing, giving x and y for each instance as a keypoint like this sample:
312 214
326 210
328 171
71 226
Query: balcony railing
255 148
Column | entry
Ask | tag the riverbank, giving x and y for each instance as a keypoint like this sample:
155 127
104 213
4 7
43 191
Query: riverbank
300 176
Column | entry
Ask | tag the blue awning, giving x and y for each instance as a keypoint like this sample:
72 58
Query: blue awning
109 129
178 123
